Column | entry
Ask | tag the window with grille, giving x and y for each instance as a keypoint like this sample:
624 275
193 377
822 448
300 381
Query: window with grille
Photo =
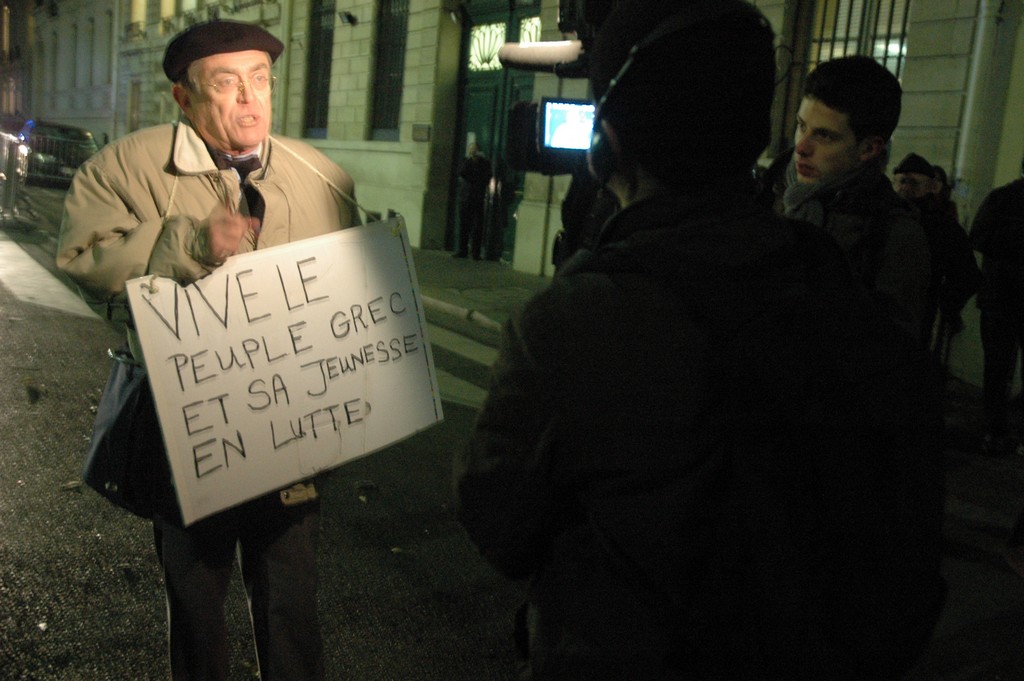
876 28
484 41
529 30
388 76
318 70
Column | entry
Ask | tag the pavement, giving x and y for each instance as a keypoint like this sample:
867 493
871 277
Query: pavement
403 595
474 296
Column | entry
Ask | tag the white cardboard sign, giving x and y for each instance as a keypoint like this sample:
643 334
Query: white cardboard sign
286 362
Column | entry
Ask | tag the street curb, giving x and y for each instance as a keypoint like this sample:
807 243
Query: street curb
461 312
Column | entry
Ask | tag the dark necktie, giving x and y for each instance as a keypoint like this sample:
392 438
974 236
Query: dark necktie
243 167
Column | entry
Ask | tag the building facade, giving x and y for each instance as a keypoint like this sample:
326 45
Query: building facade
394 90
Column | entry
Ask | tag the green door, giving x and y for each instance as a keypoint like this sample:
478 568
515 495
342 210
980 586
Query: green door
488 93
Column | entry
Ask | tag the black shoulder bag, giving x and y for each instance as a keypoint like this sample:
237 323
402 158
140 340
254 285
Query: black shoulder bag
126 463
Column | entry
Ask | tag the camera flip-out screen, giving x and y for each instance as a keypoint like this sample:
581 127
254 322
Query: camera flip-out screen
566 123
551 136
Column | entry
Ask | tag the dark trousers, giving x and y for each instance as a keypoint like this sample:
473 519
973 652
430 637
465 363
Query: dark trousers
1002 336
471 227
276 548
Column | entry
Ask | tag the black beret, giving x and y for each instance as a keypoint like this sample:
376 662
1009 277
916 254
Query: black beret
216 37
913 163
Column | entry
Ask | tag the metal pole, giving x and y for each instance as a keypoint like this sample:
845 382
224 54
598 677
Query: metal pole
12 180
8 177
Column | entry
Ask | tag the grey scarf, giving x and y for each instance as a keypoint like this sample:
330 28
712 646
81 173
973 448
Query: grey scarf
807 200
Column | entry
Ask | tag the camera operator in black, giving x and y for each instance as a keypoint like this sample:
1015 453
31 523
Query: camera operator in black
712 455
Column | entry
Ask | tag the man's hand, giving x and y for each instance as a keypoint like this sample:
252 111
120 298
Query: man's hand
220 235
226 228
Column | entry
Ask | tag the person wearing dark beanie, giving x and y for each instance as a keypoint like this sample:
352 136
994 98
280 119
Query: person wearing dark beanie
955 276
702 121
685 432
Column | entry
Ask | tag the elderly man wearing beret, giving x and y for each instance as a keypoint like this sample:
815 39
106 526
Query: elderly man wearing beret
176 200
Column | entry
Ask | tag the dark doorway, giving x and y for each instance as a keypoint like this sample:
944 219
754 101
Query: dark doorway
488 93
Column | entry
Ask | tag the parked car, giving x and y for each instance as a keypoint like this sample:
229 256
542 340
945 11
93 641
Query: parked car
56 150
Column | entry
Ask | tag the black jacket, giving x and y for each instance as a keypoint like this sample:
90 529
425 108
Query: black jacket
998 234
955 275
690 447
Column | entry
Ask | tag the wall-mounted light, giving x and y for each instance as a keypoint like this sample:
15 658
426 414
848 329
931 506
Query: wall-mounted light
348 18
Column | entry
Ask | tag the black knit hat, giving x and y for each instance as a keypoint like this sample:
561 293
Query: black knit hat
687 106
912 163
216 37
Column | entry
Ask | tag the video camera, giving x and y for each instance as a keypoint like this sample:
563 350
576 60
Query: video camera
552 136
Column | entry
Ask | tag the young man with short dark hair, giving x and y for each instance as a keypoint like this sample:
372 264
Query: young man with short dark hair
836 181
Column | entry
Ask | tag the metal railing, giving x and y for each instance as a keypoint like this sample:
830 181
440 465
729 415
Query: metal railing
56 158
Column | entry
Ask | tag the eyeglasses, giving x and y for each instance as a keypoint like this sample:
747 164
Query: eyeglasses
229 83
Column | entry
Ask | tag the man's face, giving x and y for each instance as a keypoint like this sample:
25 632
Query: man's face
825 145
913 185
234 120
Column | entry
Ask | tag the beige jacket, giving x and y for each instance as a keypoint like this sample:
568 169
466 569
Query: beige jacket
135 207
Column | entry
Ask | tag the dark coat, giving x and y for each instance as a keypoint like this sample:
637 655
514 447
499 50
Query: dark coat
955 275
881 236
673 494
476 174
998 234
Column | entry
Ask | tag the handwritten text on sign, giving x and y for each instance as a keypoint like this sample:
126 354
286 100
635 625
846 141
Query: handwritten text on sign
286 362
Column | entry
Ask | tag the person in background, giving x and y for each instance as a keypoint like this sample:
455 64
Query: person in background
476 175
998 234
955 276
712 454
175 201
943 189
849 110
499 201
